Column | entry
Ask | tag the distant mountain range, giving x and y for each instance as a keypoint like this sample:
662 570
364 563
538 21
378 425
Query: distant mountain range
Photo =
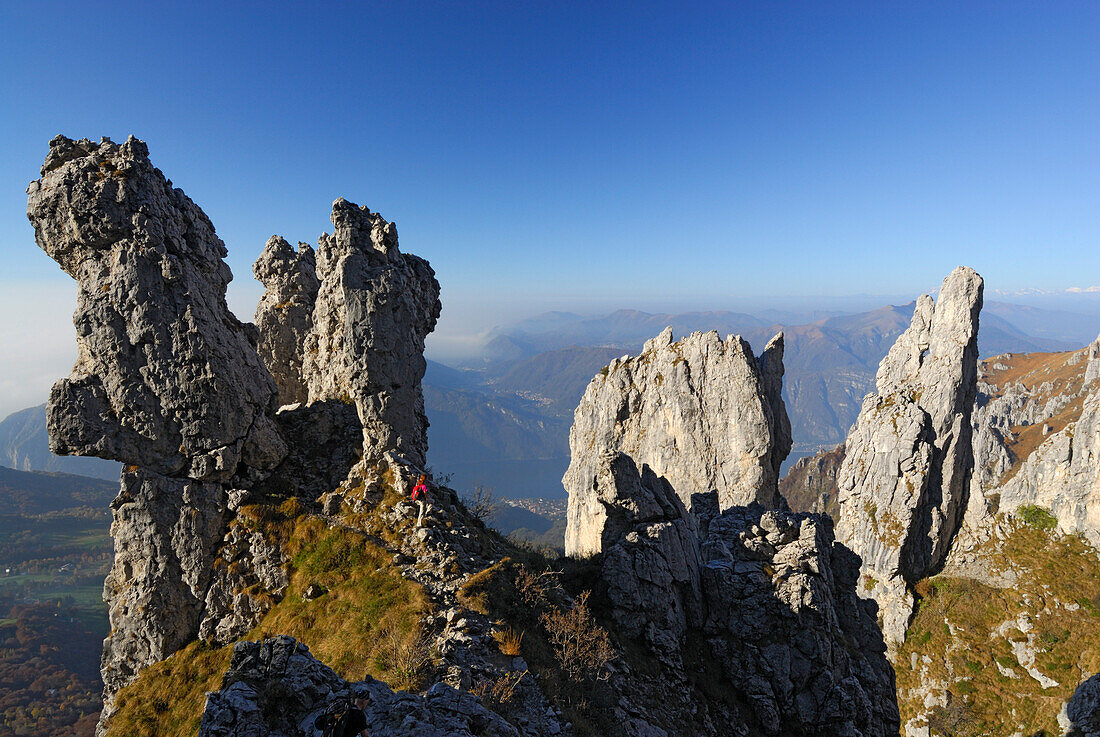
503 419
25 446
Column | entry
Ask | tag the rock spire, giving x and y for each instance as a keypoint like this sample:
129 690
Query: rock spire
374 308
167 381
904 482
284 315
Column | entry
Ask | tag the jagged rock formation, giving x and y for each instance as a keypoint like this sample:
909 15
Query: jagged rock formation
766 598
702 412
166 380
172 384
243 707
906 473
374 308
1036 443
284 315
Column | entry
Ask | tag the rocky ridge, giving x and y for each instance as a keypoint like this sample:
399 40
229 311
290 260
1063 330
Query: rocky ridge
702 412
1037 441
191 564
765 598
905 478
730 618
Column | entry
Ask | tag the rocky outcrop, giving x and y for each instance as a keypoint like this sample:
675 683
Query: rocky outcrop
284 315
374 308
244 706
810 484
1036 443
701 412
765 598
167 381
166 377
904 483
651 562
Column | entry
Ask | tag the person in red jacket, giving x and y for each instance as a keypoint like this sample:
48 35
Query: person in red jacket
418 493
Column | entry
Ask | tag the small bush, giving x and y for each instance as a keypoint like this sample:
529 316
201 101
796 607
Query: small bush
509 641
481 503
1037 516
406 656
582 648
497 694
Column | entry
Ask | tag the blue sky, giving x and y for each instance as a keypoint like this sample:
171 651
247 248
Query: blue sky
556 154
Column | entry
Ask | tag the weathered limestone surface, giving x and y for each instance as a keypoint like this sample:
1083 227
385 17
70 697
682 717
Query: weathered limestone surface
284 315
374 309
167 381
166 377
765 596
307 687
904 483
166 533
701 412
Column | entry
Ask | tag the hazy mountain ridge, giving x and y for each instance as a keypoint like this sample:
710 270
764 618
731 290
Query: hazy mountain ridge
541 366
24 445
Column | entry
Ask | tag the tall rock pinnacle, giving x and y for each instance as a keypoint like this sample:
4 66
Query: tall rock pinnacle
374 309
167 381
701 412
905 478
284 315
166 377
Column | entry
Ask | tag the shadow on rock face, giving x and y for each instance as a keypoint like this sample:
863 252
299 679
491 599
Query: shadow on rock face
325 441
1083 710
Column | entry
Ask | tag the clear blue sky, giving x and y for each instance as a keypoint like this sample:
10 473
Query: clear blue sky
637 154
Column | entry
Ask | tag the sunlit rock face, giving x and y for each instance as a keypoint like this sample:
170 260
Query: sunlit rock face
166 377
702 412
903 486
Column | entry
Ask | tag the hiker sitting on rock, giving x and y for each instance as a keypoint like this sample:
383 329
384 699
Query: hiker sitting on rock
418 493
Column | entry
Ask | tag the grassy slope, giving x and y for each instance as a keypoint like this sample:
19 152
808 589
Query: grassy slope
367 604
960 636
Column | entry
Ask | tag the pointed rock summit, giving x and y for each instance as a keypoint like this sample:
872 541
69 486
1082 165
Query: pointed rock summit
374 308
903 486
284 315
702 412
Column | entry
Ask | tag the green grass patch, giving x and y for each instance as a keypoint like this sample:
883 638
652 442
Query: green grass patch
1037 516
1052 568
368 611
